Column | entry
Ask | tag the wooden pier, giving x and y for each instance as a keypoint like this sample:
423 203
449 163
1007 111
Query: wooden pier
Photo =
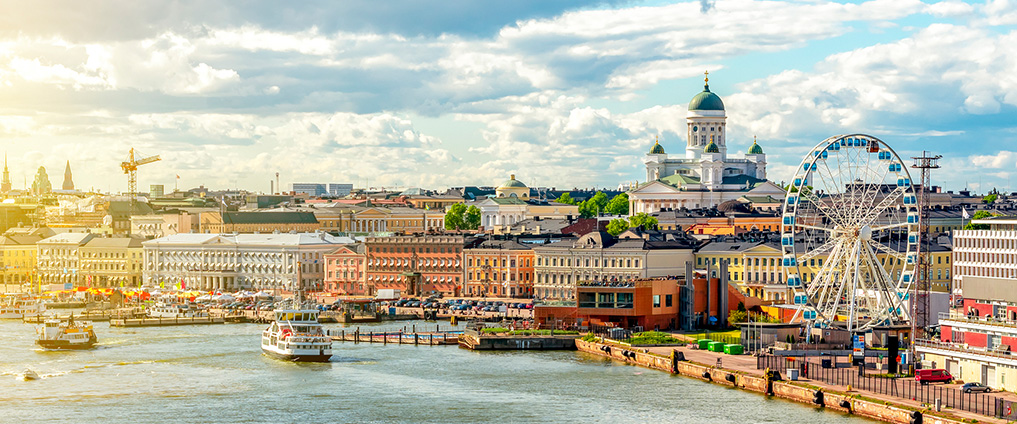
413 337
165 322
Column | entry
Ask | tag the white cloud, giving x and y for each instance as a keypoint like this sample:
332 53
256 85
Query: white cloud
951 8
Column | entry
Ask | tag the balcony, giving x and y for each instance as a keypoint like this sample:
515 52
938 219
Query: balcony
974 321
963 350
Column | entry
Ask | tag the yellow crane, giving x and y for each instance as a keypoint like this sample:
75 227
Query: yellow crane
130 167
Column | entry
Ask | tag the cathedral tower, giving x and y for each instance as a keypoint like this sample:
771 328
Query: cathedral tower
706 121
68 183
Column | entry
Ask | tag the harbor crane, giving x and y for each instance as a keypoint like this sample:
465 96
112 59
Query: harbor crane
130 167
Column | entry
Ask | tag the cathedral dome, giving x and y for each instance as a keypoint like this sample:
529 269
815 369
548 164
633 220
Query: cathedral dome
706 100
657 149
755 149
712 148
512 182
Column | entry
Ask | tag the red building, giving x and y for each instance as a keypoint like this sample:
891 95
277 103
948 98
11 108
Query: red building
650 304
416 265
345 271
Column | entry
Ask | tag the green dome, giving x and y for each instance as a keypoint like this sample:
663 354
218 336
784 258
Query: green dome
706 100
513 182
712 148
755 149
657 149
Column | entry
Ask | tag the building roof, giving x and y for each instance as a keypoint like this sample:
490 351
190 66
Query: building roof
678 180
512 182
269 217
19 240
508 200
69 238
712 147
281 239
706 100
754 149
742 180
115 242
657 149
502 245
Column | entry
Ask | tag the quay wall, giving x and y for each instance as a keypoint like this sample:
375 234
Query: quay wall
832 400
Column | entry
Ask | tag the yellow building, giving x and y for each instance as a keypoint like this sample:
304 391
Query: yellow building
755 267
404 221
111 262
17 258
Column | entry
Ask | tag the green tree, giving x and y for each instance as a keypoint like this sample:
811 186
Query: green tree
455 217
617 226
990 199
978 215
644 220
472 219
566 198
593 206
619 205
736 317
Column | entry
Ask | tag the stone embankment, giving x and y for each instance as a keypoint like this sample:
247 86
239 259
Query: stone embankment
845 402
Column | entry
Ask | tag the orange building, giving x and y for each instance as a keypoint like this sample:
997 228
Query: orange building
416 265
499 268
346 271
650 303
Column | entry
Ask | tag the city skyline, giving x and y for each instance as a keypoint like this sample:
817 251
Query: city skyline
412 94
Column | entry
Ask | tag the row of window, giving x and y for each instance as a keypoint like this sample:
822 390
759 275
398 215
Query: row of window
586 262
487 262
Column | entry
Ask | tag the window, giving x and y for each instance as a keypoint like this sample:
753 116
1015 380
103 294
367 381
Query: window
656 301
667 300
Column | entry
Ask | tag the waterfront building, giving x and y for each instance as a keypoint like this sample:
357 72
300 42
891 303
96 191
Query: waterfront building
346 270
258 222
111 262
323 189
18 257
598 256
58 258
416 265
367 220
978 338
231 262
499 268
706 176
645 303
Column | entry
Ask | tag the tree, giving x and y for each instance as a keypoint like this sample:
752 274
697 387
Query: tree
619 205
617 226
990 199
593 206
567 199
978 215
455 217
736 317
472 219
643 220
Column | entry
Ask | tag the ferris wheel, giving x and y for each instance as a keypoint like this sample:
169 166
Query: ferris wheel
849 235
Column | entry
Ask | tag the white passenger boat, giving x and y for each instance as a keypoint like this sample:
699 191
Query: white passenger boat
66 335
12 308
295 335
175 310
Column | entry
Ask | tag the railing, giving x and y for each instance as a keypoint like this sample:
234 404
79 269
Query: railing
964 349
977 319
554 303
906 388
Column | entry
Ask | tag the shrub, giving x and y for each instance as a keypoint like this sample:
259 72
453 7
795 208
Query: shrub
651 338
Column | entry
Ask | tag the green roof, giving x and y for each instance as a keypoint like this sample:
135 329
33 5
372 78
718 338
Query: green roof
657 149
755 149
742 180
706 100
513 182
679 180
269 218
712 148
508 200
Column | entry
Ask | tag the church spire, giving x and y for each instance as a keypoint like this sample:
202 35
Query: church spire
5 186
68 183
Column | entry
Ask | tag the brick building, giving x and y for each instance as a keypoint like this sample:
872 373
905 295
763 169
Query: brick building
499 268
416 265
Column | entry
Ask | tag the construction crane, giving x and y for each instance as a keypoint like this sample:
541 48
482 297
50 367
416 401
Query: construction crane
130 167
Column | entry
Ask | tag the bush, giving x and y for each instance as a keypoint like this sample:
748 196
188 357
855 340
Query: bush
589 337
652 338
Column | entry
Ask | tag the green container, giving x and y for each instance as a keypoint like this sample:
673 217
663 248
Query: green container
704 343
733 349
716 346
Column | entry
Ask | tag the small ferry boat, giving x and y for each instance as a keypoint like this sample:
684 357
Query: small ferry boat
20 308
175 310
295 335
66 335
28 375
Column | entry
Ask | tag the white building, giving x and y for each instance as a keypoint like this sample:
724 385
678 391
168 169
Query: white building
705 176
229 262
599 256
512 204
58 261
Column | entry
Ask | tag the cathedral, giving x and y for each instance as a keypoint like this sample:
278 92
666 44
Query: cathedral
705 176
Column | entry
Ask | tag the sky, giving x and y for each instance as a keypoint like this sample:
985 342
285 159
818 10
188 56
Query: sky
415 93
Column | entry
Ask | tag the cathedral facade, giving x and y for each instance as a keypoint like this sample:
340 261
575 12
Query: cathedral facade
705 175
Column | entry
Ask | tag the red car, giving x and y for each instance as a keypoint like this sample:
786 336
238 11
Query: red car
933 376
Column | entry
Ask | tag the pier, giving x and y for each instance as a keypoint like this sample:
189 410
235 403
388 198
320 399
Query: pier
165 322
411 337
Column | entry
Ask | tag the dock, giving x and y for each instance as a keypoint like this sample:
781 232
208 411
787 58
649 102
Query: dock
430 338
165 322
475 340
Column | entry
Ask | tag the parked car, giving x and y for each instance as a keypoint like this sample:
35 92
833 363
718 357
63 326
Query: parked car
975 387
933 376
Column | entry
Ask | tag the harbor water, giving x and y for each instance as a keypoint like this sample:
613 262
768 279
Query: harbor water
216 373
